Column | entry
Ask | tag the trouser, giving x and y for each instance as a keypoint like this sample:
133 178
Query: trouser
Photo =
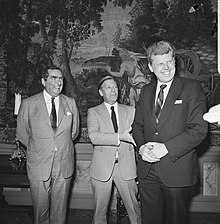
49 197
161 204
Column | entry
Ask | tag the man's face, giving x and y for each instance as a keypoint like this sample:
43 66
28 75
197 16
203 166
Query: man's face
54 83
163 67
109 91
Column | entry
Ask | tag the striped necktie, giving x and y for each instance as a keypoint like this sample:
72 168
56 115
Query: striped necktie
159 102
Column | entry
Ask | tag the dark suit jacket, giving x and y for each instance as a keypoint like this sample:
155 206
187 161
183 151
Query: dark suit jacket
181 128
35 132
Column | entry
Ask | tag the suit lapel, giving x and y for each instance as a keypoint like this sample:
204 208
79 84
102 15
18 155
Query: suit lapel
151 99
122 116
62 106
105 116
174 92
41 105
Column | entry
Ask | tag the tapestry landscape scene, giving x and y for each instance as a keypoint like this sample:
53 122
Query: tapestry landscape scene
92 38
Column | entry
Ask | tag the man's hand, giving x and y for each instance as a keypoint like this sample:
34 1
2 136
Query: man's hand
158 149
147 155
127 137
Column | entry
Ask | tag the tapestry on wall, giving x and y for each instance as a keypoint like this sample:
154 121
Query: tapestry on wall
103 38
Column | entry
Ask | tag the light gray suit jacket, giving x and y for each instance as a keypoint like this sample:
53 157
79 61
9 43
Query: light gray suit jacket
35 132
105 141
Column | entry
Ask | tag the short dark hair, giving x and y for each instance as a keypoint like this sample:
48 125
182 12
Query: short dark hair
45 73
159 48
103 79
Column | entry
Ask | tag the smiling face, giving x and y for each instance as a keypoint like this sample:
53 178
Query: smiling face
53 84
163 66
109 91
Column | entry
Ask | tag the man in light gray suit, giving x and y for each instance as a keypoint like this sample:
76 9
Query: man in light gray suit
47 124
114 157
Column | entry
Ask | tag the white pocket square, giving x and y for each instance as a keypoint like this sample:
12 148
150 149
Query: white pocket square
68 113
178 102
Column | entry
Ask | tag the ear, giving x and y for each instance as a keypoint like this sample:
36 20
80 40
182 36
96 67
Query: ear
150 67
43 81
100 92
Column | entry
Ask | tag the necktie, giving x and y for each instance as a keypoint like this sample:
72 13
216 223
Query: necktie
114 120
159 102
53 115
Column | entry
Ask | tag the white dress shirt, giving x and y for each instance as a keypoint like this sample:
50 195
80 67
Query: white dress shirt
115 105
108 106
165 90
47 98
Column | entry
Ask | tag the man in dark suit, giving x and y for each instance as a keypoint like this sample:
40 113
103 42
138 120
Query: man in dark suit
167 127
47 124
113 158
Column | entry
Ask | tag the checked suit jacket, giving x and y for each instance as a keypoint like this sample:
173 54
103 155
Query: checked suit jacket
35 132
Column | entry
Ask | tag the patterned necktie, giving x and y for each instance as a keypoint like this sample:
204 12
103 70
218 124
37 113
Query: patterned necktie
159 102
53 115
114 120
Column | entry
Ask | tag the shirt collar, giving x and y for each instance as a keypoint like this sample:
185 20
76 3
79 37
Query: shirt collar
167 83
109 105
48 97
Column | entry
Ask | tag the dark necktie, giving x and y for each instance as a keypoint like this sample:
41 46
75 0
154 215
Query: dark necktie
159 102
53 115
114 120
